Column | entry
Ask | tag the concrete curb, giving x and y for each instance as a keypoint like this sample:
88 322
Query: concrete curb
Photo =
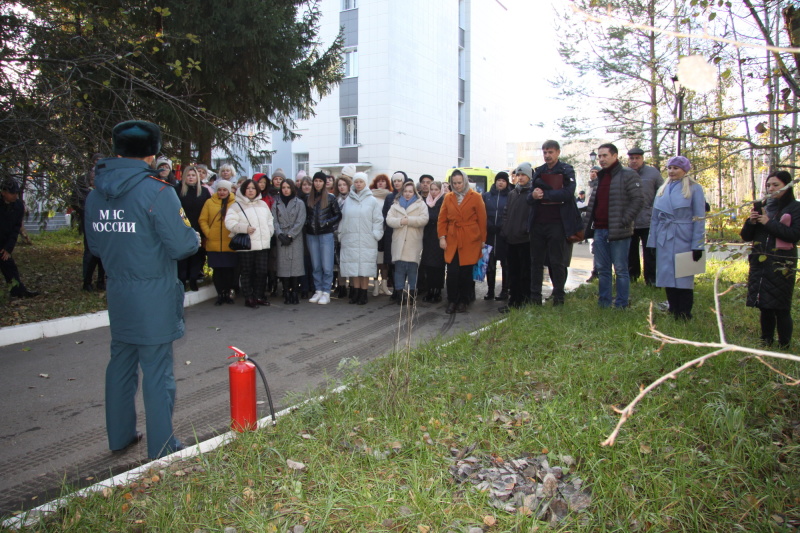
64 326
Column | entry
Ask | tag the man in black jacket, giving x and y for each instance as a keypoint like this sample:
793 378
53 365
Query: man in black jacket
11 213
552 201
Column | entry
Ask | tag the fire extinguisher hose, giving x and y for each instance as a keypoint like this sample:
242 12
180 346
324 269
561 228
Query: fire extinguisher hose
269 395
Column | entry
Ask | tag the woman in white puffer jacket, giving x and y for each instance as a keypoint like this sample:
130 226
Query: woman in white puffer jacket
360 230
251 215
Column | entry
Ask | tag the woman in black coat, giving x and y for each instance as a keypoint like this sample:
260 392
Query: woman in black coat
432 254
775 231
496 200
193 196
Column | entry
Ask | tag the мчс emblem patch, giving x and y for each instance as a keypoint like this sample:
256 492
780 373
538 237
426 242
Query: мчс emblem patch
185 220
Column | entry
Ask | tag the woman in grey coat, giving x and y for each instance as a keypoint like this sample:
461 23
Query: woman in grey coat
289 213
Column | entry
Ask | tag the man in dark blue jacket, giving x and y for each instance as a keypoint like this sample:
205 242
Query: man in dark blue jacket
135 224
552 201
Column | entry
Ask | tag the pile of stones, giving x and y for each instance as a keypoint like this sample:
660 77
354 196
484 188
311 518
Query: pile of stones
528 485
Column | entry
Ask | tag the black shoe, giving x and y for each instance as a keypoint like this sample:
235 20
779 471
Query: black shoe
437 296
220 300
87 287
354 295
428 296
461 308
295 299
396 297
23 293
489 295
251 302
502 296
136 440
341 292
193 285
591 278
451 308
362 298
229 300
262 301
287 297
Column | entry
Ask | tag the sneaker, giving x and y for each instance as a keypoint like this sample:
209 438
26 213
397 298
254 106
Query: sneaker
325 299
315 299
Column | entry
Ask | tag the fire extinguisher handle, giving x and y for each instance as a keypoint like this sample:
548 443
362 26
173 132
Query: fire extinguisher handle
237 353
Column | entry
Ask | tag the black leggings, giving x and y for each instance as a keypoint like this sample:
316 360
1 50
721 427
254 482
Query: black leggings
224 280
782 318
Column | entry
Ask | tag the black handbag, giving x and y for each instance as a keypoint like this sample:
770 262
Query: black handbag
241 241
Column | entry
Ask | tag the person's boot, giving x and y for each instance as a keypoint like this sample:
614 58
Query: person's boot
451 308
87 286
428 296
341 292
193 285
377 290
437 296
362 299
355 294
384 288
251 302
489 294
502 296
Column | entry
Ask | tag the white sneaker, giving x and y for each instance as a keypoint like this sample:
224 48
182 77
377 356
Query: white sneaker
385 288
377 290
314 299
325 299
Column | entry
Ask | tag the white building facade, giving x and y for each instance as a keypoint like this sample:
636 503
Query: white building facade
423 90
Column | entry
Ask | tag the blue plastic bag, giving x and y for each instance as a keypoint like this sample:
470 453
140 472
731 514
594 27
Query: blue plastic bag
479 270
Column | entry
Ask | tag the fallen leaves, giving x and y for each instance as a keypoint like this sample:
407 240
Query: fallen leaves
295 465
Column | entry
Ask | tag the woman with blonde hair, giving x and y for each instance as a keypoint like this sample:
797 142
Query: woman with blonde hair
407 217
220 256
677 225
193 197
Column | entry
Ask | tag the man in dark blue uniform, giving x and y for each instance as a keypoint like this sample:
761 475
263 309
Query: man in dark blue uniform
135 225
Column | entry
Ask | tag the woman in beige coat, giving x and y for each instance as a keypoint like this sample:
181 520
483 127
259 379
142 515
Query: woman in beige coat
407 217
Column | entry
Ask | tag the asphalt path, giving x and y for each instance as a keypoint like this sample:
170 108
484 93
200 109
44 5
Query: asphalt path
53 434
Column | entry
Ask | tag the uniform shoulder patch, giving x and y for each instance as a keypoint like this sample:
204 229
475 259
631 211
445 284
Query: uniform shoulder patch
185 219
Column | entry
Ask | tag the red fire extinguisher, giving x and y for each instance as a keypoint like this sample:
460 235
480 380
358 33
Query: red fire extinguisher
242 374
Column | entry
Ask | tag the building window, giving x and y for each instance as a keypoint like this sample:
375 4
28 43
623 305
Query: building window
223 161
350 58
264 165
349 4
300 163
349 131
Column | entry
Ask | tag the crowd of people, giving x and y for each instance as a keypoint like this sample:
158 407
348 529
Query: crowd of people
322 237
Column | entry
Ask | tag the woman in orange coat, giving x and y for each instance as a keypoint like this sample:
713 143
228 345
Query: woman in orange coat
462 232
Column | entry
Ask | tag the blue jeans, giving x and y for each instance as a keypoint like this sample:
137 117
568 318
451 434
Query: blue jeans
320 249
403 270
607 253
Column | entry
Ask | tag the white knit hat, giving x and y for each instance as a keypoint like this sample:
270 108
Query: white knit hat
349 171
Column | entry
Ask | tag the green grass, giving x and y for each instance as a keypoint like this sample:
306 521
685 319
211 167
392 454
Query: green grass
714 450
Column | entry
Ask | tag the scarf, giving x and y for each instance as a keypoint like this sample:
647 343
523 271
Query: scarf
405 203
460 195
287 199
431 199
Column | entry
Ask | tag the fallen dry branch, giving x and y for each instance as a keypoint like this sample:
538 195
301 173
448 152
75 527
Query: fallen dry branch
719 348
